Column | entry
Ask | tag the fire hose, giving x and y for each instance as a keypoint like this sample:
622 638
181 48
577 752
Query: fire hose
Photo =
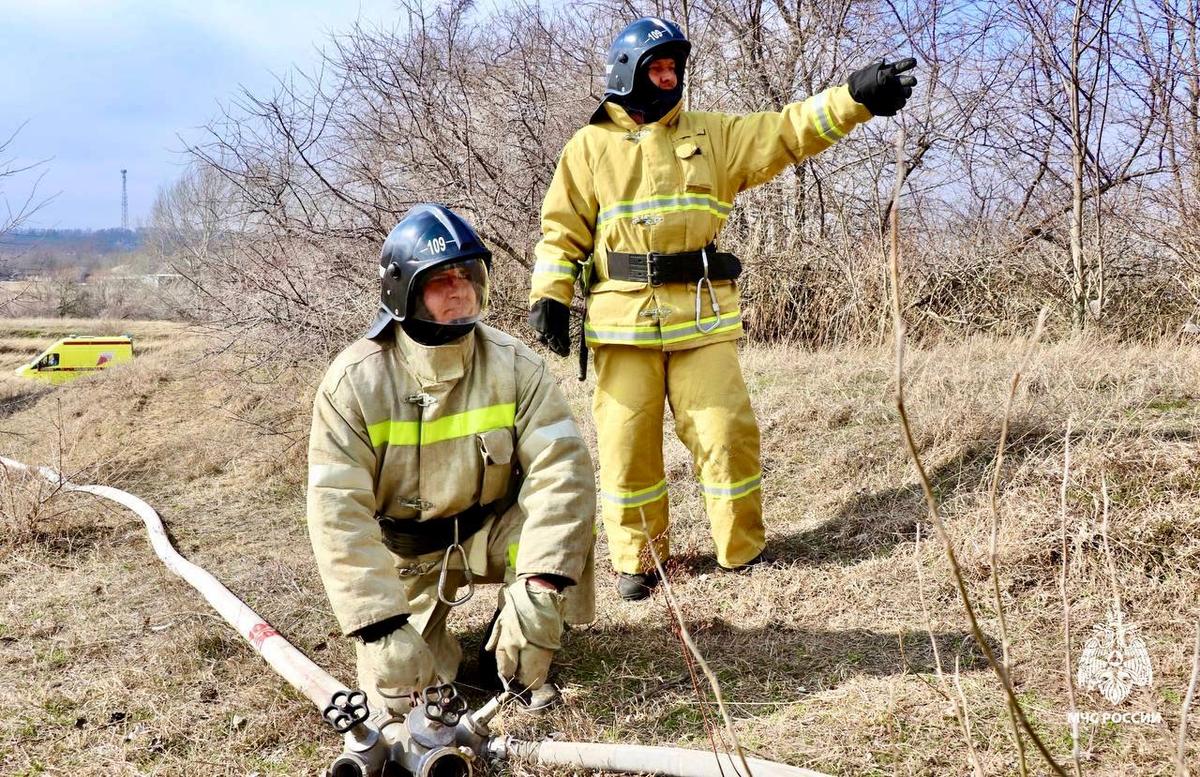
440 737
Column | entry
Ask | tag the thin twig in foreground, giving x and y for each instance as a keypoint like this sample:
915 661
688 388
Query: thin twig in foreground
1072 716
931 500
673 605
959 703
994 539
1181 767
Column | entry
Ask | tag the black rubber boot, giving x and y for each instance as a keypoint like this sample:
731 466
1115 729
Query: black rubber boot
635 587
764 557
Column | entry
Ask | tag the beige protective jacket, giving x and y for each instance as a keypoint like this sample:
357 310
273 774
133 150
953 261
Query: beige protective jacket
667 187
416 433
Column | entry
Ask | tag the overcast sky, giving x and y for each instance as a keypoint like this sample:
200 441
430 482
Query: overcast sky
109 84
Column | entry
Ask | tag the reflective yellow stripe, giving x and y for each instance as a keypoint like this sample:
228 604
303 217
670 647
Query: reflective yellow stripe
448 427
697 335
394 433
674 333
833 125
664 203
555 268
665 209
636 498
823 121
732 491
512 555
658 197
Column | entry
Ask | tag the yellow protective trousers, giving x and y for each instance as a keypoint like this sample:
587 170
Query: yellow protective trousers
714 420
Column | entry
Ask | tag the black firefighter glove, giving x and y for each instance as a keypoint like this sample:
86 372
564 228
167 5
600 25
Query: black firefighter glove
880 87
552 320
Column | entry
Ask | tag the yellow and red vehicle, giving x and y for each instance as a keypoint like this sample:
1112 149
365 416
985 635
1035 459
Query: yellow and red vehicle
73 357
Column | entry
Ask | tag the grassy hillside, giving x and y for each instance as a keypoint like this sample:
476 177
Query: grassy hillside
120 668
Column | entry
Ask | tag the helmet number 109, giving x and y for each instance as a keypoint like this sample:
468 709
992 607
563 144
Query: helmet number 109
437 245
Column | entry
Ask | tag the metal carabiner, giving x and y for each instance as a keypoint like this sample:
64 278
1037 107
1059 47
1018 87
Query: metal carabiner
444 573
712 297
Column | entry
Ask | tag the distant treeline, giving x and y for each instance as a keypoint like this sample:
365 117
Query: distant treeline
78 241
72 252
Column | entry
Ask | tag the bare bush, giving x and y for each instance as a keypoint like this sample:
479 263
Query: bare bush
15 213
1052 159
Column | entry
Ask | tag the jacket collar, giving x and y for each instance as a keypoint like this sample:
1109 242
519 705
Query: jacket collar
437 364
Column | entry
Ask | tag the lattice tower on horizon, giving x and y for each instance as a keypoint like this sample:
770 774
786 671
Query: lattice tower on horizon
124 202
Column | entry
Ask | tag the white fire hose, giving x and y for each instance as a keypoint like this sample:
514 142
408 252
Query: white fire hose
438 738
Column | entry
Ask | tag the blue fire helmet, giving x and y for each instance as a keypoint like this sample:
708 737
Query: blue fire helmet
428 237
636 45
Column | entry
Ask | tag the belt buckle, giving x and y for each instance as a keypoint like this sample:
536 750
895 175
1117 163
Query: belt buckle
651 266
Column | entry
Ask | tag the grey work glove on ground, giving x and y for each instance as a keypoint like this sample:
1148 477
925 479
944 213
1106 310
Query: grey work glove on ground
527 632
401 663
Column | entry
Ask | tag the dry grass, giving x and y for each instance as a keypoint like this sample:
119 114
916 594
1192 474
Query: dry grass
824 658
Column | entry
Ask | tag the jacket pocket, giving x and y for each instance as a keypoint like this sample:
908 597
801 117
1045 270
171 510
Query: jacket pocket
496 449
696 160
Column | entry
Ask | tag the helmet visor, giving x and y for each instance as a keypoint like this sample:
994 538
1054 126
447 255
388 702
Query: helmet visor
454 293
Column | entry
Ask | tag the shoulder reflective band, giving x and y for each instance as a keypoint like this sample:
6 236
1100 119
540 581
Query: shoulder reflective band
732 491
636 498
822 114
447 427
344 476
536 441
665 203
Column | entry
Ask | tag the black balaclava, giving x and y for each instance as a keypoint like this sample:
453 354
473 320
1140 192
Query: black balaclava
646 98
431 334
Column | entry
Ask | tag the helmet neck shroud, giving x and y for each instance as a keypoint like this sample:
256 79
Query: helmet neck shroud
432 334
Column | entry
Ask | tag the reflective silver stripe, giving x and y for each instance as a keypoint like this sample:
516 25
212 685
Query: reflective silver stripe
669 334
533 443
344 476
555 267
636 498
622 335
666 205
823 119
678 332
732 490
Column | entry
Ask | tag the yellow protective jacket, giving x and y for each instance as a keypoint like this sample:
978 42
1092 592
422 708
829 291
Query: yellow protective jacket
667 187
404 432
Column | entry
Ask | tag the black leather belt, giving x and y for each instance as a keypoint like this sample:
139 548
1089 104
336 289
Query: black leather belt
409 537
686 267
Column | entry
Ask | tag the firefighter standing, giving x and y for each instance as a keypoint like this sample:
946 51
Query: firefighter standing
443 433
643 190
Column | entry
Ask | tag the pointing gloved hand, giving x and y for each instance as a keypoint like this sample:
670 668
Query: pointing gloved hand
552 320
880 87
527 632
401 663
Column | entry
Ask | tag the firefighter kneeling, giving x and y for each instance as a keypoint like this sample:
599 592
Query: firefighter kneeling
442 455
